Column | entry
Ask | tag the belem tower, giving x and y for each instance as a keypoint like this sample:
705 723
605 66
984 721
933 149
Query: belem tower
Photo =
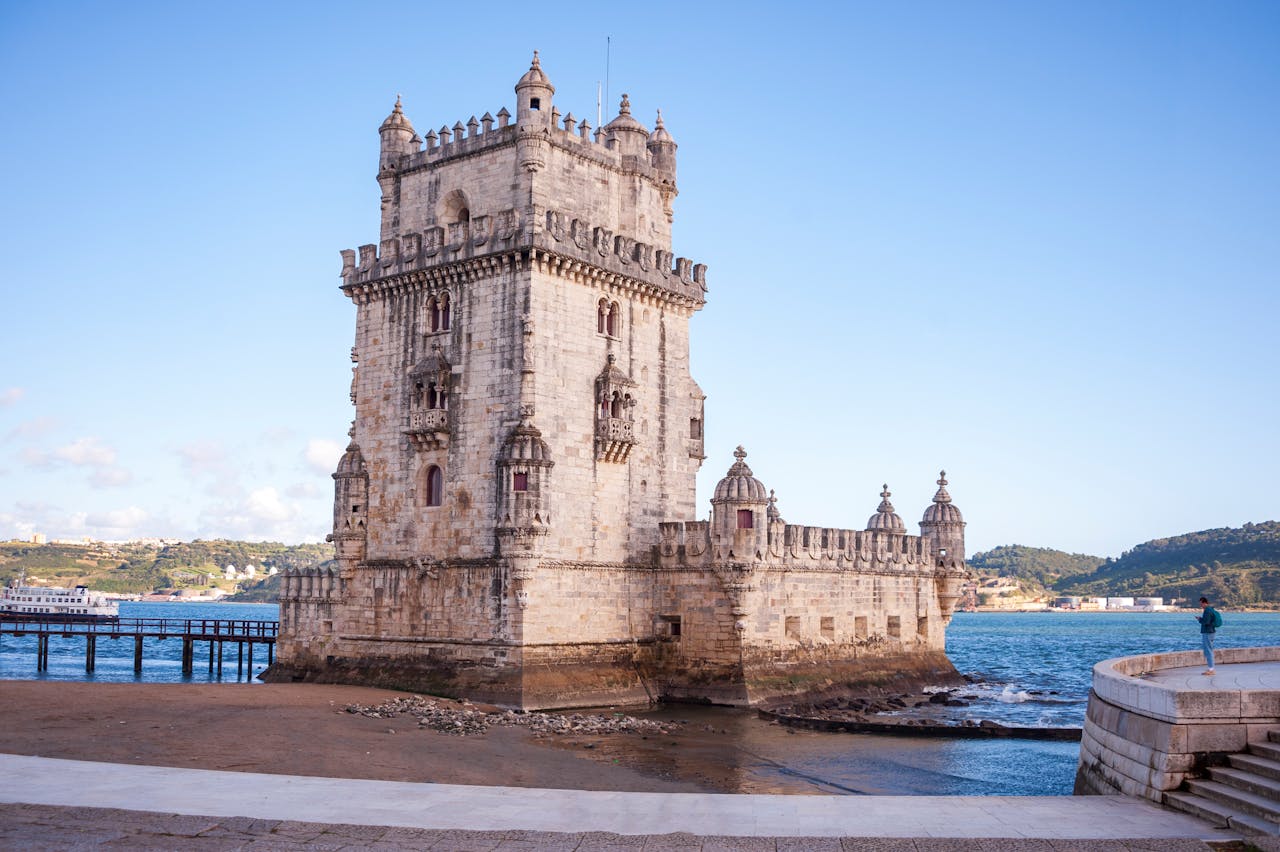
514 516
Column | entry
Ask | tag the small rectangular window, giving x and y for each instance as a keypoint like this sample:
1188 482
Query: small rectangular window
520 482
669 625
894 627
746 519
922 625
792 626
535 103
828 627
860 627
695 428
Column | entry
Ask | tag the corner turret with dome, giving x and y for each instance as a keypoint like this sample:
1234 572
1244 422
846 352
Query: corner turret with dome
515 518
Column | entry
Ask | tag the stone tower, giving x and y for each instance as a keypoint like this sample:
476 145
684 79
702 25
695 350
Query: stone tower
522 390
514 518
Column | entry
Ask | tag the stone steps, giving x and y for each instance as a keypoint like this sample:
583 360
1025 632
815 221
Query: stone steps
1263 766
1244 796
1218 813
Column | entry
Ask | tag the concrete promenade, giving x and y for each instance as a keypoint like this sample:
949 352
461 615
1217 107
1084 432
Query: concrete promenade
40 798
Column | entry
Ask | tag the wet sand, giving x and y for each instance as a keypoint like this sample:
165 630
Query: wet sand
304 729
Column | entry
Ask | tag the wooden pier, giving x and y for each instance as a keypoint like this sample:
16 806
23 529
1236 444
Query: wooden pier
190 631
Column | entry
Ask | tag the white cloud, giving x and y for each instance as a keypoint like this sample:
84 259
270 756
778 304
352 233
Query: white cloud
264 504
110 477
11 396
203 457
304 491
322 454
117 523
37 427
87 452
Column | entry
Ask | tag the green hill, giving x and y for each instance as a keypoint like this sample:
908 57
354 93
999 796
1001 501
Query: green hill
1237 567
1039 565
142 568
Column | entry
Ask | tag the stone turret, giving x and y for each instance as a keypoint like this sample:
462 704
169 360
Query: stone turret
524 491
350 508
885 519
662 152
739 513
624 134
943 526
398 137
533 95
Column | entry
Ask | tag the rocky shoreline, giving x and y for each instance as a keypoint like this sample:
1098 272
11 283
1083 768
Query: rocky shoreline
890 714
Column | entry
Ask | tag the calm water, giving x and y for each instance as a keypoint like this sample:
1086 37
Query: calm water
1032 668
161 659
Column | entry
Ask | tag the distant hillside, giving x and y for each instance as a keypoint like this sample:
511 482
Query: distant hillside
142 568
1232 566
1040 565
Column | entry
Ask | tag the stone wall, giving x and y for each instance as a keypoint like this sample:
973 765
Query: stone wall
1144 738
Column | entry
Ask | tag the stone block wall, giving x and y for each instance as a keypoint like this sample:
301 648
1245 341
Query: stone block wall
1144 738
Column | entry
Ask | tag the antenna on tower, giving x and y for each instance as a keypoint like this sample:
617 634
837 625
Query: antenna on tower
598 119
608 49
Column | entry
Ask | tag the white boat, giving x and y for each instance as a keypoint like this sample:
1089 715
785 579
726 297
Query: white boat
49 603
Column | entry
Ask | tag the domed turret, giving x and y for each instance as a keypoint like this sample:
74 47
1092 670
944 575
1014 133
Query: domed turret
885 519
739 510
942 510
350 507
943 526
524 489
624 133
398 136
662 151
739 485
533 94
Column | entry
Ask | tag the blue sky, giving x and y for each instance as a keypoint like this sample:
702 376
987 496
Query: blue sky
1035 244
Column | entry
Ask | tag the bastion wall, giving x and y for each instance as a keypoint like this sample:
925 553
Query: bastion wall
1144 738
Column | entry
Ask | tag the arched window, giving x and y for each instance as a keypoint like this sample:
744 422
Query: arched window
746 519
520 482
615 405
438 312
602 316
604 407
436 397
612 321
435 485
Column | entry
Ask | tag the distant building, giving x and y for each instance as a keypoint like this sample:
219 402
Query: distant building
39 538
1119 603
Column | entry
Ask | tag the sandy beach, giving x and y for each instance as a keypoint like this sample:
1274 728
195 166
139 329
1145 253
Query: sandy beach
304 729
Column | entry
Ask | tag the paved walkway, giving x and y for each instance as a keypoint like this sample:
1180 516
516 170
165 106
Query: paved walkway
1227 677
574 817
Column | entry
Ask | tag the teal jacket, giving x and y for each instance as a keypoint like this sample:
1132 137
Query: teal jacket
1208 620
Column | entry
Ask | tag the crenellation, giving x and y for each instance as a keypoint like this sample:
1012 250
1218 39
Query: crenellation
525 421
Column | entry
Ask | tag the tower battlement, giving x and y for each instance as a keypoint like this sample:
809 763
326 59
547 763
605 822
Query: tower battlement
525 419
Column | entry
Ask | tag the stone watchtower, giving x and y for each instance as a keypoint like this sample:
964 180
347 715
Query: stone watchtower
514 518
524 411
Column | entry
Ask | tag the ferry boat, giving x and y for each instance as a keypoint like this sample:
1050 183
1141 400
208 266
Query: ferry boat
48 603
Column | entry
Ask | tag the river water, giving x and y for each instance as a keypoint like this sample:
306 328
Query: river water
1026 668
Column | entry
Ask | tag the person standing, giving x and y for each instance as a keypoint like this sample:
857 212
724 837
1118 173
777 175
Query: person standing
1209 623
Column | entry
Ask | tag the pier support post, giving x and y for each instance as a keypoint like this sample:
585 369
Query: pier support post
210 656
220 660
250 661
90 651
42 652
239 660
188 650
137 654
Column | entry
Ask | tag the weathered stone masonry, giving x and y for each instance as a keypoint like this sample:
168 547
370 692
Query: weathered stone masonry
526 423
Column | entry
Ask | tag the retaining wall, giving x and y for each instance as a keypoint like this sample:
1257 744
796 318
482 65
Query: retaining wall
1143 737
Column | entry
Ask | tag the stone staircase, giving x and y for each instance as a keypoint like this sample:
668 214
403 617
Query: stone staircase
1244 795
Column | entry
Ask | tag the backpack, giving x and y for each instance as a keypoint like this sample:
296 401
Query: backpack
1217 619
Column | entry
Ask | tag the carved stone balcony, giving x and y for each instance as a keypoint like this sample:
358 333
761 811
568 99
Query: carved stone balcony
614 439
429 428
